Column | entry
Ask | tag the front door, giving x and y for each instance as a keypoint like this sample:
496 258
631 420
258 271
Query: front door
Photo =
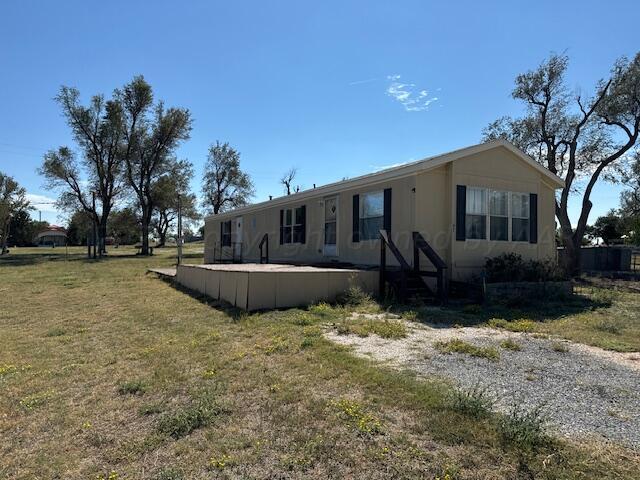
237 239
330 248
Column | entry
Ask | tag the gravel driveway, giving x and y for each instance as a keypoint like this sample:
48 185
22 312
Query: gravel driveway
583 391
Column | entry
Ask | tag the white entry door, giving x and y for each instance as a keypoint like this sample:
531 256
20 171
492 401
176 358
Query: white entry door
330 248
237 238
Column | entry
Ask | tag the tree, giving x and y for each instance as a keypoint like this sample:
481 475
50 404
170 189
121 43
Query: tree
170 193
608 227
287 179
124 226
13 200
23 229
152 134
225 185
97 129
579 139
79 227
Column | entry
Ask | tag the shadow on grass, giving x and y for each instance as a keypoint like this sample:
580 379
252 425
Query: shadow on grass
538 310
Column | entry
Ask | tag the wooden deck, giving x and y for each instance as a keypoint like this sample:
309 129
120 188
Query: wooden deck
164 272
255 286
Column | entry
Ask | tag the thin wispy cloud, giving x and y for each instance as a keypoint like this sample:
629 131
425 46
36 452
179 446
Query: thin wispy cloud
360 82
410 97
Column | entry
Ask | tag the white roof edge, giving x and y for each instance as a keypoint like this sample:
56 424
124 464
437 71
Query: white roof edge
407 169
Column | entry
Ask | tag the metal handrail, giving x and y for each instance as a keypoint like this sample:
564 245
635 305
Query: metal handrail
265 242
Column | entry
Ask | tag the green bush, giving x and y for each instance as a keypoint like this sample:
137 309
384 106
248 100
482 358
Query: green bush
511 267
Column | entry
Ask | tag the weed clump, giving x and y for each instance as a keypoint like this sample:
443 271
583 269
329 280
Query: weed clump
474 402
200 413
523 429
352 412
133 387
509 344
460 346
521 325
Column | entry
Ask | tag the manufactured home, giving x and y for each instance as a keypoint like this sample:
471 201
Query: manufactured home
441 217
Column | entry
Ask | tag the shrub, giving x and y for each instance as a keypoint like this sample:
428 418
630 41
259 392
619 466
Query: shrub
511 267
354 296
168 474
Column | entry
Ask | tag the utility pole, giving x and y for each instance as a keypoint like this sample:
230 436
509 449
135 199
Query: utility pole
179 231
95 224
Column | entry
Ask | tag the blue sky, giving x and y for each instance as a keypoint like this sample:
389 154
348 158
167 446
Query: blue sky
319 86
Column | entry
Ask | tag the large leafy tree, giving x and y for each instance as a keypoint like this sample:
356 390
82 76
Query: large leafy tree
13 200
580 138
225 185
23 229
79 227
152 134
97 129
124 226
171 193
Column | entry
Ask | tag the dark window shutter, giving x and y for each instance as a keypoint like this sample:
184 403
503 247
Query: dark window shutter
386 221
356 218
303 232
222 234
281 227
461 212
533 218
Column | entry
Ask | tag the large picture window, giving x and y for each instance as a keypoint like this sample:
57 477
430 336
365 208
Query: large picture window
520 217
371 215
498 215
476 219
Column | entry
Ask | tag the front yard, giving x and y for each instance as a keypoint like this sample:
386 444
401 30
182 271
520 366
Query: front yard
108 372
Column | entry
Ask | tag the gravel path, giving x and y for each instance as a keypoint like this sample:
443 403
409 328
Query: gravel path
583 391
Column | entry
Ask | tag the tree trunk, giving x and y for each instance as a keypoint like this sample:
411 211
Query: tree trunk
5 237
571 257
102 235
146 221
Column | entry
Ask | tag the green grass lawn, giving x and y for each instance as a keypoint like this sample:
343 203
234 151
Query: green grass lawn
108 372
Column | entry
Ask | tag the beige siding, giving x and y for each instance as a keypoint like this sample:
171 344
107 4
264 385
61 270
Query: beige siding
500 169
366 252
423 202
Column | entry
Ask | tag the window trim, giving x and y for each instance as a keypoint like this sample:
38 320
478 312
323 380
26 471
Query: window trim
361 216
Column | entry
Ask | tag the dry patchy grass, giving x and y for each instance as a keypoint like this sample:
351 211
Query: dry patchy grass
107 371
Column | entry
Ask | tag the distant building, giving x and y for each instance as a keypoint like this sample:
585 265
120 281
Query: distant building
53 236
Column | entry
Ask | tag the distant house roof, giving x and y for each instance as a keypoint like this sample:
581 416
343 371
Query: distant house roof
398 172
52 230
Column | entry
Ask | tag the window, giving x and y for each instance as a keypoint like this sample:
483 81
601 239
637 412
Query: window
371 215
476 217
499 215
226 233
293 225
520 217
